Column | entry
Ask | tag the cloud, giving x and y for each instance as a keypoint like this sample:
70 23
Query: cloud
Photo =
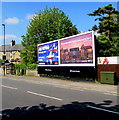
30 16
8 36
13 20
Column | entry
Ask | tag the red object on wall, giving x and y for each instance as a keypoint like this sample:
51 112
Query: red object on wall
105 61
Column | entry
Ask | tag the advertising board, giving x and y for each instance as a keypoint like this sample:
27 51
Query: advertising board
77 50
48 54
108 60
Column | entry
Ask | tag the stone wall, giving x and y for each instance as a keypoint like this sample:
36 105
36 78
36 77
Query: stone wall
32 72
1 70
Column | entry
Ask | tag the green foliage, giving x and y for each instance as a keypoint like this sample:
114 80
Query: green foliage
108 19
103 46
32 66
20 68
1 61
108 41
47 25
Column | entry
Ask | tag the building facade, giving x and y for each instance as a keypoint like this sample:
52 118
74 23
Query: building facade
12 52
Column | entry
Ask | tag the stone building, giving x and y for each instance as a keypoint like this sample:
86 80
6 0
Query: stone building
12 52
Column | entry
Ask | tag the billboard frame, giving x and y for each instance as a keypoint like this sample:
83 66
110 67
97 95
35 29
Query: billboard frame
71 65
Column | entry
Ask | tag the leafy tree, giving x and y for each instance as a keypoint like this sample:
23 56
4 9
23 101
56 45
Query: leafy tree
108 27
1 61
47 25
107 17
107 48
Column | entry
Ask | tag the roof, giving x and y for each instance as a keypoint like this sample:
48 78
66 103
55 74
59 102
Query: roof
6 48
86 47
2 63
17 47
9 48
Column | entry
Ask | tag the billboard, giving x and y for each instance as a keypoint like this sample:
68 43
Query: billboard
77 50
48 54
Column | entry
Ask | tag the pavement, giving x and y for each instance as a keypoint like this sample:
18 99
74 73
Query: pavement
105 88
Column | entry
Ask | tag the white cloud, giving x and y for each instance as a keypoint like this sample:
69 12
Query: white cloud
8 36
30 16
13 20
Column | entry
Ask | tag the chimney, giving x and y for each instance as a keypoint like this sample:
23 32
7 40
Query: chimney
12 42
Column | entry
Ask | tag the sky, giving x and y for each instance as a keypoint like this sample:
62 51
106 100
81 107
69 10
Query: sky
16 16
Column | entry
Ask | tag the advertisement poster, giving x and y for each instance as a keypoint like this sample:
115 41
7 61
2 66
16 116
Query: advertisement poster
77 50
48 54
108 60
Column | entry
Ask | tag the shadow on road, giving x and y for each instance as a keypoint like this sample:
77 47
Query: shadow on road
73 111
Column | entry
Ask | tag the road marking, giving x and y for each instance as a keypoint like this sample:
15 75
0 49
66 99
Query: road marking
9 87
76 89
86 88
44 95
111 94
103 109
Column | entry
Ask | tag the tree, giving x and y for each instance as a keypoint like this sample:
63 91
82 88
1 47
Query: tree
47 25
1 61
107 17
108 41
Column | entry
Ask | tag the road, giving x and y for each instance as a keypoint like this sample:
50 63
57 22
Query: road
44 98
22 93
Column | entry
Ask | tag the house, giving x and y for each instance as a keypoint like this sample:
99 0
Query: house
86 52
12 52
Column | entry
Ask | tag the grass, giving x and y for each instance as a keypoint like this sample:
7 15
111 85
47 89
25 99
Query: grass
74 79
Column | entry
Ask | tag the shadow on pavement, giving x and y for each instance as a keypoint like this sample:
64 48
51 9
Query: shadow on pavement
74 111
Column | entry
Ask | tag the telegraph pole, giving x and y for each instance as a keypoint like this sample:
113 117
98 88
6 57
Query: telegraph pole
4 56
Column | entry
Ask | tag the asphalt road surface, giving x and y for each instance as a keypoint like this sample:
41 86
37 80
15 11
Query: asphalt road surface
22 94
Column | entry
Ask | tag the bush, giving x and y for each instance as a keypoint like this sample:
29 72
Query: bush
20 68
32 66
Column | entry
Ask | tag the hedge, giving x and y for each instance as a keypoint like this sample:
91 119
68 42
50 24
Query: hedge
32 66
